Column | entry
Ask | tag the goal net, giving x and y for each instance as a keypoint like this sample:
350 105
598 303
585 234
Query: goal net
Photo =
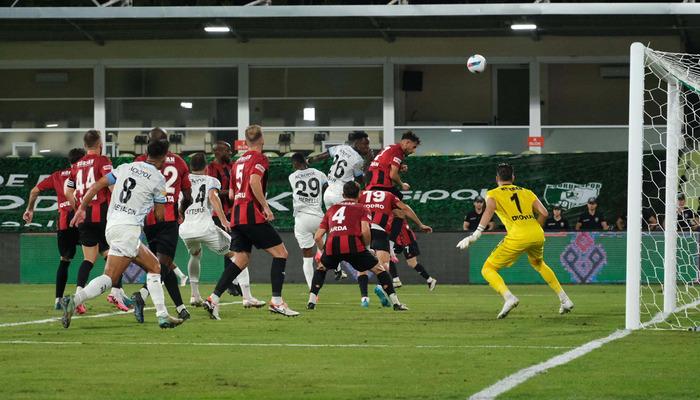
663 251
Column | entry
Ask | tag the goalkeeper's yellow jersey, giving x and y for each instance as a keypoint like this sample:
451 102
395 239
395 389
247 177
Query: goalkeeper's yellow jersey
514 208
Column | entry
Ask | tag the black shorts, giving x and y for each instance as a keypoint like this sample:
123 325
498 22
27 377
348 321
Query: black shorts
68 240
263 236
361 262
391 189
93 234
162 238
380 240
410 251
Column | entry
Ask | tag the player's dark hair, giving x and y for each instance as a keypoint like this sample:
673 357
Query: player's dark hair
75 154
356 135
411 136
298 158
351 190
158 134
223 143
253 133
504 172
91 138
198 162
157 148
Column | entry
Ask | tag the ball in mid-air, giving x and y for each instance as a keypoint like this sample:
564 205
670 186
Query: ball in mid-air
476 64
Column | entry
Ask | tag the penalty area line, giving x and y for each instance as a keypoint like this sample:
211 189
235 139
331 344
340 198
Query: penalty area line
103 315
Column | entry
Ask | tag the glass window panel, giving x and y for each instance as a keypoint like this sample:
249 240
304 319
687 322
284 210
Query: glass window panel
58 142
336 112
40 113
171 113
469 140
316 82
171 82
46 83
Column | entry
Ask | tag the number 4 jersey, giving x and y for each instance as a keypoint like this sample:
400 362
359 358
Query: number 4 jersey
514 208
307 190
198 219
176 175
137 186
343 223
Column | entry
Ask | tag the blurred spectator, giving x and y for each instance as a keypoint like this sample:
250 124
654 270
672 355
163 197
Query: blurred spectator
556 223
620 223
472 219
650 221
687 219
592 219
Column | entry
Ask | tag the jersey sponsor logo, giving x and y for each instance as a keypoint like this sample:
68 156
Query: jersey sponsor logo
140 172
568 195
522 217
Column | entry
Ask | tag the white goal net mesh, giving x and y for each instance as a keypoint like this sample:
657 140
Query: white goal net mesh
671 191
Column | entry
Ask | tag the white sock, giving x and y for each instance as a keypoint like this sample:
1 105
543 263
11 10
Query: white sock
308 268
193 266
180 308
93 289
179 273
144 290
157 295
78 288
214 298
394 298
115 292
508 295
243 280
313 298
562 296
58 299
277 300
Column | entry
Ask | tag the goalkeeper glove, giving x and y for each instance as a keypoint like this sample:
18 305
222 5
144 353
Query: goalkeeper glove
464 243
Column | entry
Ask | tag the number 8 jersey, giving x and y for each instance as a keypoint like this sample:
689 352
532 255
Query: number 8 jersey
307 190
137 186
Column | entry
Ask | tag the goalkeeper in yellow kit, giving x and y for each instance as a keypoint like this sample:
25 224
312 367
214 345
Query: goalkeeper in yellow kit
514 206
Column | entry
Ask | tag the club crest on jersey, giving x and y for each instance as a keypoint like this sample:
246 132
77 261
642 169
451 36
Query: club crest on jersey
568 195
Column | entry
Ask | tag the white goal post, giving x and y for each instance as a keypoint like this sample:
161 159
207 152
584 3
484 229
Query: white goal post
663 250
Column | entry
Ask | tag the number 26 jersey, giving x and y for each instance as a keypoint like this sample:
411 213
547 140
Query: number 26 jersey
514 208
137 186
307 191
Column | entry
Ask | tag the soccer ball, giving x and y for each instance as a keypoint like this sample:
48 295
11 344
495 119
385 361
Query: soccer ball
476 64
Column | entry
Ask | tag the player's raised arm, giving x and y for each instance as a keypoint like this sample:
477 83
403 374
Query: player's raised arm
45 184
219 209
542 212
414 217
319 157
396 178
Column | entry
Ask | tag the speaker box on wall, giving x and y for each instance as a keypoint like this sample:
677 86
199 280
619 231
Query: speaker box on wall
412 81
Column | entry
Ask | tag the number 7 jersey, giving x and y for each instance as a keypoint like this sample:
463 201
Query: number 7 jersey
307 191
514 208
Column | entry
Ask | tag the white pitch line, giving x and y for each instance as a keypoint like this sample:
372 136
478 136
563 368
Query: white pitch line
523 375
326 345
57 319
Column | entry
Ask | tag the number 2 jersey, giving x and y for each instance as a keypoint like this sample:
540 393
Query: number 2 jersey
347 164
343 225
247 210
137 186
176 175
198 221
307 191
514 208
83 174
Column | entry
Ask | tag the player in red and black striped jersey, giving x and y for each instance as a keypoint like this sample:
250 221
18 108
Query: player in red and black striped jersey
407 244
163 236
250 224
383 206
84 173
68 238
348 226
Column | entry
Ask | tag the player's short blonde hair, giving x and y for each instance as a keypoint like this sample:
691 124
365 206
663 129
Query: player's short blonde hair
253 133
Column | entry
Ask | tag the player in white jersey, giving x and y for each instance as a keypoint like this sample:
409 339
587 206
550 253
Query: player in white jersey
198 229
138 188
308 185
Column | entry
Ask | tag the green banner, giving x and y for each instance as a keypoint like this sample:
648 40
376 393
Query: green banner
442 188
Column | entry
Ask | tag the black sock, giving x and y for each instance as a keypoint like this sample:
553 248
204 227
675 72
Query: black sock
230 272
84 273
317 281
421 270
171 283
392 269
233 288
61 277
385 280
277 275
363 281
119 283
396 229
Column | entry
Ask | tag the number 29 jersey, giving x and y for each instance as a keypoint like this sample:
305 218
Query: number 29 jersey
307 191
514 208
137 186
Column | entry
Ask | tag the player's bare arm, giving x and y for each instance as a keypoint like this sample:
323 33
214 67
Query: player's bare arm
159 211
219 209
396 178
414 217
186 200
70 196
256 187
318 237
79 216
29 213
319 157
366 234
542 212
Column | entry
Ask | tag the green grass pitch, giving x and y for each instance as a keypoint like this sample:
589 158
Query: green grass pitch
448 346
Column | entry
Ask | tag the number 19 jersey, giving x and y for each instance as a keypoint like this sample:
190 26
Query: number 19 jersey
137 186
198 215
307 191
514 208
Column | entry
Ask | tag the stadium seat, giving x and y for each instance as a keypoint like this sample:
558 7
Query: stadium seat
289 154
529 152
504 153
271 154
433 153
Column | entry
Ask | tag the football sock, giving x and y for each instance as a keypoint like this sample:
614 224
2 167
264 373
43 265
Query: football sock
385 281
172 285
144 291
318 280
363 281
61 277
548 275
214 298
243 280
119 284
490 273
180 308
84 273
393 270
93 289
277 300
421 270
277 276
193 266
308 268
313 298
178 273
157 295
231 271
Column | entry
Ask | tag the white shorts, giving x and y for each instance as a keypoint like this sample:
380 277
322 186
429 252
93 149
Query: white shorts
332 197
216 240
305 227
123 240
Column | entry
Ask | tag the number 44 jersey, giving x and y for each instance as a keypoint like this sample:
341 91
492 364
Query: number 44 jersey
307 191
137 186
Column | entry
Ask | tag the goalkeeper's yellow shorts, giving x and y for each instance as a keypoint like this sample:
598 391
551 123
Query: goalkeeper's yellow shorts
509 250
